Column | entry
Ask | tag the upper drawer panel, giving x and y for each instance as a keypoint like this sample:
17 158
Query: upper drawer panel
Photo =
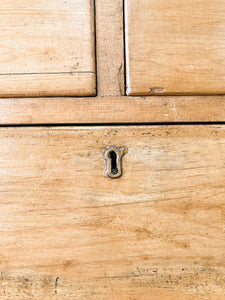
175 47
47 48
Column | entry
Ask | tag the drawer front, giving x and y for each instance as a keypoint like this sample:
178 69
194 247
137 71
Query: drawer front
175 47
47 48
68 231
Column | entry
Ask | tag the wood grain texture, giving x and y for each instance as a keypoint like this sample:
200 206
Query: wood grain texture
47 48
175 47
67 231
102 110
110 47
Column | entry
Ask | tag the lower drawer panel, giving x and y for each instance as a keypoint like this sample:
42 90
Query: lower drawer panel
68 231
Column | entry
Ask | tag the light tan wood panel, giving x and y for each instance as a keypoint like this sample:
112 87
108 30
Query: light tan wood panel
175 47
110 47
47 48
105 110
67 231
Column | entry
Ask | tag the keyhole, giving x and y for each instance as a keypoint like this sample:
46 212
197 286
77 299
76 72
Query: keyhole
113 157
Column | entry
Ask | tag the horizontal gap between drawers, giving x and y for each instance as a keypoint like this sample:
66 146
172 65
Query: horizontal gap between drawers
113 124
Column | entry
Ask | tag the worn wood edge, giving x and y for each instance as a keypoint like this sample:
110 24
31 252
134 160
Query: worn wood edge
100 110
51 84
150 92
110 47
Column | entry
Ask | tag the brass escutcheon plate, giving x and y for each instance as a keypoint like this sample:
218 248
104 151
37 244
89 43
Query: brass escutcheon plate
113 157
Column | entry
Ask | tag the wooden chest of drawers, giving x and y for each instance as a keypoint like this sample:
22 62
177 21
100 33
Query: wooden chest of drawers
68 230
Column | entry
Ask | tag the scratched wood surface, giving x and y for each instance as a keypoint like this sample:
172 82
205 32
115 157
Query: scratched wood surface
105 110
175 47
110 109
47 48
67 231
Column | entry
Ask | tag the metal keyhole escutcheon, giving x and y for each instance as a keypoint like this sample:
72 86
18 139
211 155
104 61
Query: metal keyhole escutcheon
113 157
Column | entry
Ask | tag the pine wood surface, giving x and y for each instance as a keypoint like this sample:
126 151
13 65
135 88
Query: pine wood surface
47 48
175 47
111 109
110 47
105 110
67 231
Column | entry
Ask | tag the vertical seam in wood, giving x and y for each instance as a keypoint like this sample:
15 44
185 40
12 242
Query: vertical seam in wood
95 46
125 42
